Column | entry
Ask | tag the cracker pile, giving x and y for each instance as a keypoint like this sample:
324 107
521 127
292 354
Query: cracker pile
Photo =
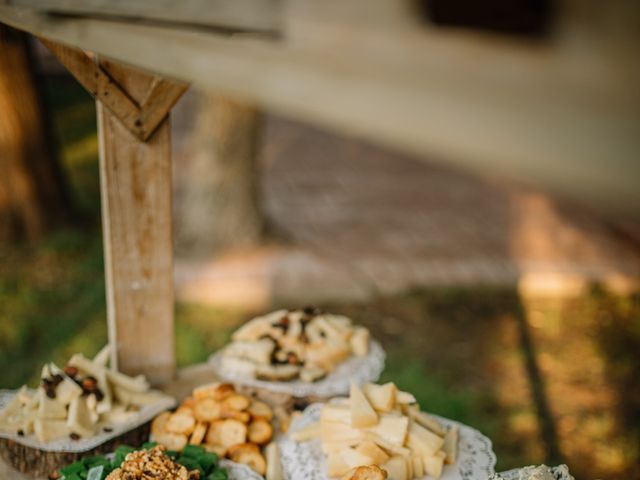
225 422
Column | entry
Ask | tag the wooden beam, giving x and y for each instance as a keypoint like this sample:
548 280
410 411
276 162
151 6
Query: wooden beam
561 118
140 119
136 211
163 95
246 15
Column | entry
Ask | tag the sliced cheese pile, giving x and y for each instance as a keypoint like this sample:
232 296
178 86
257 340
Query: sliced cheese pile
379 425
77 401
290 344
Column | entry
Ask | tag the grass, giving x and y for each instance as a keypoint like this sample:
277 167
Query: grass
461 351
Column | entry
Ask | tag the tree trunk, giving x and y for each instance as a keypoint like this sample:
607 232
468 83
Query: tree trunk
219 198
33 195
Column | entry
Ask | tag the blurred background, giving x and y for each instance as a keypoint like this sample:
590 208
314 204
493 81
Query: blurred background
499 306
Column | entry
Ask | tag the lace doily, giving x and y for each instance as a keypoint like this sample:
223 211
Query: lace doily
305 461
360 369
237 471
65 444
560 472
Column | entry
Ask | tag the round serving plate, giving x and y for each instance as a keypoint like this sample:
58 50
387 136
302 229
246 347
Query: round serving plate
359 369
238 471
306 461
65 444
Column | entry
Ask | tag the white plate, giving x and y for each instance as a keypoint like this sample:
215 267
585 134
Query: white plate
65 444
365 369
305 461
238 471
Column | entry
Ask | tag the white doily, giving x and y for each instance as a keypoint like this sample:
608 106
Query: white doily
560 472
360 369
237 471
65 444
305 460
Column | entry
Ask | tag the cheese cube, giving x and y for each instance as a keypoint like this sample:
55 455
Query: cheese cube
396 469
79 419
423 441
50 429
353 458
336 413
336 465
369 448
392 428
418 467
450 446
362 413
381 397
433 464
333 432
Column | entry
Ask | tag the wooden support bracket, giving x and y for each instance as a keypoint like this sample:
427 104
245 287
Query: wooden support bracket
135 176
141 117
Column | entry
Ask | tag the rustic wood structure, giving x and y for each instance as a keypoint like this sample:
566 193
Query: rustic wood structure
562 112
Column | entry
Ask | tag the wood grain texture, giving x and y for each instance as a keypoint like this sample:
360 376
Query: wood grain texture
156 97
136 212
259 15
19 462
163 95
560 115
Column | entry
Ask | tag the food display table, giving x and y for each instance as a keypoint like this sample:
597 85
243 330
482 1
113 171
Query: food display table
557 113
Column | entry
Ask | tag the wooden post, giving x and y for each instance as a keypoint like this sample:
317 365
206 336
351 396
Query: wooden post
135 179
136 210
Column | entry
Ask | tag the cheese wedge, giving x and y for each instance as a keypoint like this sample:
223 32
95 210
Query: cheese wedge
336 466
450 446
307 433
49 429
353 458
381 397
79 419
370 449
11 415
362 413
433 465
336 413
388 446
405 398
396 469
423 441
392 428
333 432
274 465
424 419
359 341
51 409
418 467
67 390
102 357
